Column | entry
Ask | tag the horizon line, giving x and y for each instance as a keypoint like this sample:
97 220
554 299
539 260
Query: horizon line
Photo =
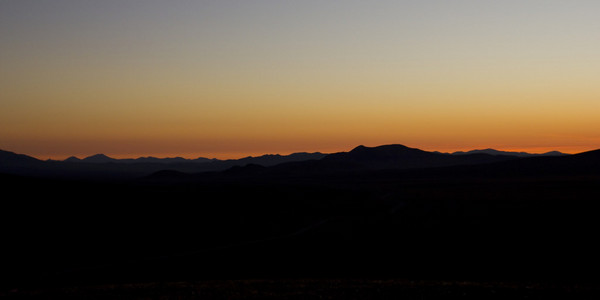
241 155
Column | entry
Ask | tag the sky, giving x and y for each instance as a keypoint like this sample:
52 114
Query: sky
228 79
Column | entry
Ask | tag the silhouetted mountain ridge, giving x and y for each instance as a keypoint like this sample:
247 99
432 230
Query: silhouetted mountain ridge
266 160
103 166
392 157
101 158
14 163
512 153
98 158
7 157
402 157
72 159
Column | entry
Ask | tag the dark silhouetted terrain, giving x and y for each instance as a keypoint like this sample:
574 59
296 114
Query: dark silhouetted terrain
381 213
102 167
519 154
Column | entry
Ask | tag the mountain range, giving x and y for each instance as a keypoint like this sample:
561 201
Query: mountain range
512 153
100 166
381 157
101 158
271 159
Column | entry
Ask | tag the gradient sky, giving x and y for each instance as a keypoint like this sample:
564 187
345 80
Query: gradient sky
234 78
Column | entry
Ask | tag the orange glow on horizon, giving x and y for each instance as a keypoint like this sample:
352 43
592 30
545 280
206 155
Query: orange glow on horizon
204 79
287 151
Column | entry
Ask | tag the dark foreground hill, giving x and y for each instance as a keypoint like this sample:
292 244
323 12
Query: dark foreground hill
514 220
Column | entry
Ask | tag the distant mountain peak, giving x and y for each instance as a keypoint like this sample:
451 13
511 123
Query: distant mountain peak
394 147
491 151
100 155
7 156
98 158
554 153
385 155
